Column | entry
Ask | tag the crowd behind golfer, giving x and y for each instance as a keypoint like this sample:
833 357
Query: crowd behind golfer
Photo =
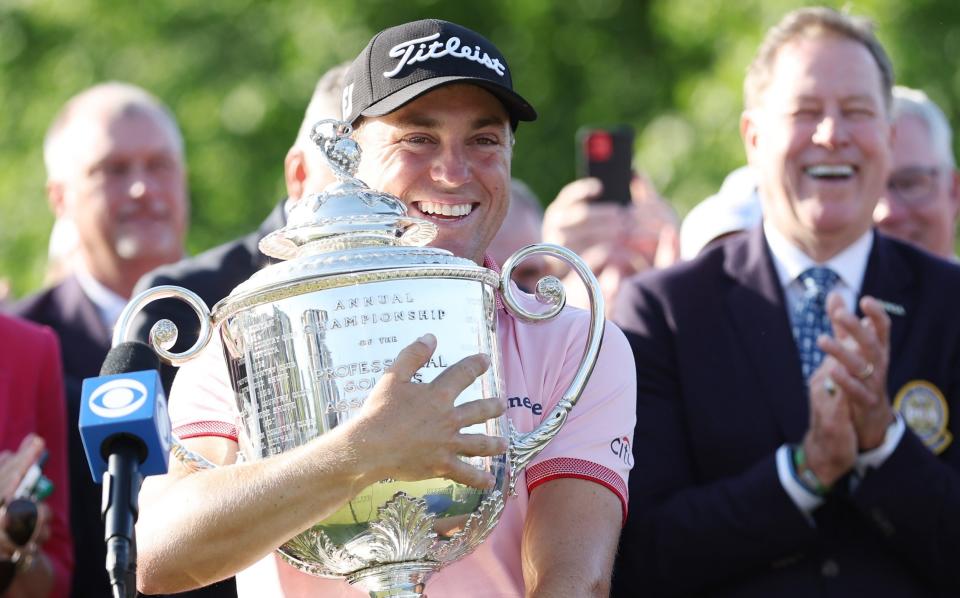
783 363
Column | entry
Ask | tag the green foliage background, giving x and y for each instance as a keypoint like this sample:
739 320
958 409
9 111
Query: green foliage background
238 74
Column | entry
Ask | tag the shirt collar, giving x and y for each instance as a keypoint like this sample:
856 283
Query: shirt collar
790 261
108 304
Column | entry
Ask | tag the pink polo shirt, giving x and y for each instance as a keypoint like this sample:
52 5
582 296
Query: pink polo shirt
539 362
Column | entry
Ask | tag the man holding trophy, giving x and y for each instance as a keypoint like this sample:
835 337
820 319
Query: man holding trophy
432 107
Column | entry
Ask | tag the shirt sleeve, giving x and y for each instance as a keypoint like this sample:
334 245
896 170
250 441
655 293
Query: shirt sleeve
874 458
805 500
596 441
202 401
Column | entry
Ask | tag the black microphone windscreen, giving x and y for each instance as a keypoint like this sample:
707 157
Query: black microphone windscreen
130 356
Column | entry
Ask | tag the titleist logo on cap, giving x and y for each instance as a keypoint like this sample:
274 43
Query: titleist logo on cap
405 52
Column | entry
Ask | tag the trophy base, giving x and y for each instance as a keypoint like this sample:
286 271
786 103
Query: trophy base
396 580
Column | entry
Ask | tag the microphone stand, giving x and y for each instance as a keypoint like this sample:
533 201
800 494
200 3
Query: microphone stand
120 508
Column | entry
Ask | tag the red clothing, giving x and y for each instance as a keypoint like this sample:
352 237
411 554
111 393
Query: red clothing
32 400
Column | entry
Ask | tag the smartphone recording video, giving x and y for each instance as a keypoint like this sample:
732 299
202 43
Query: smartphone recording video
607 154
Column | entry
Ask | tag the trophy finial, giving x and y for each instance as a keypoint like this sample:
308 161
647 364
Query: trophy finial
342 152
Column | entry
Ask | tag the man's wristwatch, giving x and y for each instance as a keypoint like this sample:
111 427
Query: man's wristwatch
804 475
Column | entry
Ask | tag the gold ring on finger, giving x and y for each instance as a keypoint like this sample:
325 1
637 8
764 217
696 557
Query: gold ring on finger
866 372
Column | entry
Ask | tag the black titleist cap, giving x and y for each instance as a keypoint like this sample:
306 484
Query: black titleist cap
404 62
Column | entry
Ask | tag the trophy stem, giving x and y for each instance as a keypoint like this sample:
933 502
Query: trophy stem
396 580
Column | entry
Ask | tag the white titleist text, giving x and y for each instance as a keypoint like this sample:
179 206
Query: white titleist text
409 53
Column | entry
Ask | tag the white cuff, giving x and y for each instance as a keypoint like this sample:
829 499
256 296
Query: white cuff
874 458
805 500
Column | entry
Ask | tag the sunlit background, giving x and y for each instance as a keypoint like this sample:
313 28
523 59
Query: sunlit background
238 75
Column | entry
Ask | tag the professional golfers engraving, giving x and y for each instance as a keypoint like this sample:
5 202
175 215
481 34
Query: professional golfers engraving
306 340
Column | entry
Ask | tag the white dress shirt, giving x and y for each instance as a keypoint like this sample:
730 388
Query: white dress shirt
109 304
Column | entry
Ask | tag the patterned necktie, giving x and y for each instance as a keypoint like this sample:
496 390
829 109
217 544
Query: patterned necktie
810 316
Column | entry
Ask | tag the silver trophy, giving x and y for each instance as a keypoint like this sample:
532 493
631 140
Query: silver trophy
307 338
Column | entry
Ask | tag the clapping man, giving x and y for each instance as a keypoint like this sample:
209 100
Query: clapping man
766 468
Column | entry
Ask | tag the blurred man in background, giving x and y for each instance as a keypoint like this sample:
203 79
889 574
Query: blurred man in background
62 251
520 228
795 383
115 168
922 201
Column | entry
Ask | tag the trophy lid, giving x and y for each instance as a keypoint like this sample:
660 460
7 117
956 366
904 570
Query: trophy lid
347 214
349 227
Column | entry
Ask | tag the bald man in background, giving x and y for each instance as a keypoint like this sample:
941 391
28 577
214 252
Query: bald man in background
115 168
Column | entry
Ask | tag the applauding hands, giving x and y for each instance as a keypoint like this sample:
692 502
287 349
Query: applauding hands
849 408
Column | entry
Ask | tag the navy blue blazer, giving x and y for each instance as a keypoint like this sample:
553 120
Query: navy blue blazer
84 342
719 389
211 275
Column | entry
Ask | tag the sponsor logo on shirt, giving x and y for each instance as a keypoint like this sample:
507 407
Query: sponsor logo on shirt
525 402
621 448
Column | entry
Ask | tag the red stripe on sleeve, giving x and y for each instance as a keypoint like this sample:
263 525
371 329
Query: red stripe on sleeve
207 428
580 469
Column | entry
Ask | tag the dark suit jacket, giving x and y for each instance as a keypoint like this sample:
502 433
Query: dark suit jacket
84 342
719 390
211 275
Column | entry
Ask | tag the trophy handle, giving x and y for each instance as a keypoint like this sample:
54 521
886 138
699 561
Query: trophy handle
163 334
524 447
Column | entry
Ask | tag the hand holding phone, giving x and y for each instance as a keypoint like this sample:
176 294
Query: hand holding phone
15 466
35 486
23 518
607 154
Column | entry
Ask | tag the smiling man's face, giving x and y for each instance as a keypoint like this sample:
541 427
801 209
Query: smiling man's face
819 139
446 155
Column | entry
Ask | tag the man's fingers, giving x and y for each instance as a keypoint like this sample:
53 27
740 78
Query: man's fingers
848 357
581 190
835 307
413 357
460 375
14 467
668 247
479 411
465 473
854 389
865 336
31 447
878 316
480 445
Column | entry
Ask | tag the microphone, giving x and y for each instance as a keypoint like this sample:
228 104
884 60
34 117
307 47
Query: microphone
125 430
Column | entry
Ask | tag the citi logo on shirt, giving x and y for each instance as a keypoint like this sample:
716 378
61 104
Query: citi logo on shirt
621 448
535 408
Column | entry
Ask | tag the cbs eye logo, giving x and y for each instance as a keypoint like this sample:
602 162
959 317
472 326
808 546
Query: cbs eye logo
118 398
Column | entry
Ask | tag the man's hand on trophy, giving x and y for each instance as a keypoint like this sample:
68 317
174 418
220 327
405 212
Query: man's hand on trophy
412 430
